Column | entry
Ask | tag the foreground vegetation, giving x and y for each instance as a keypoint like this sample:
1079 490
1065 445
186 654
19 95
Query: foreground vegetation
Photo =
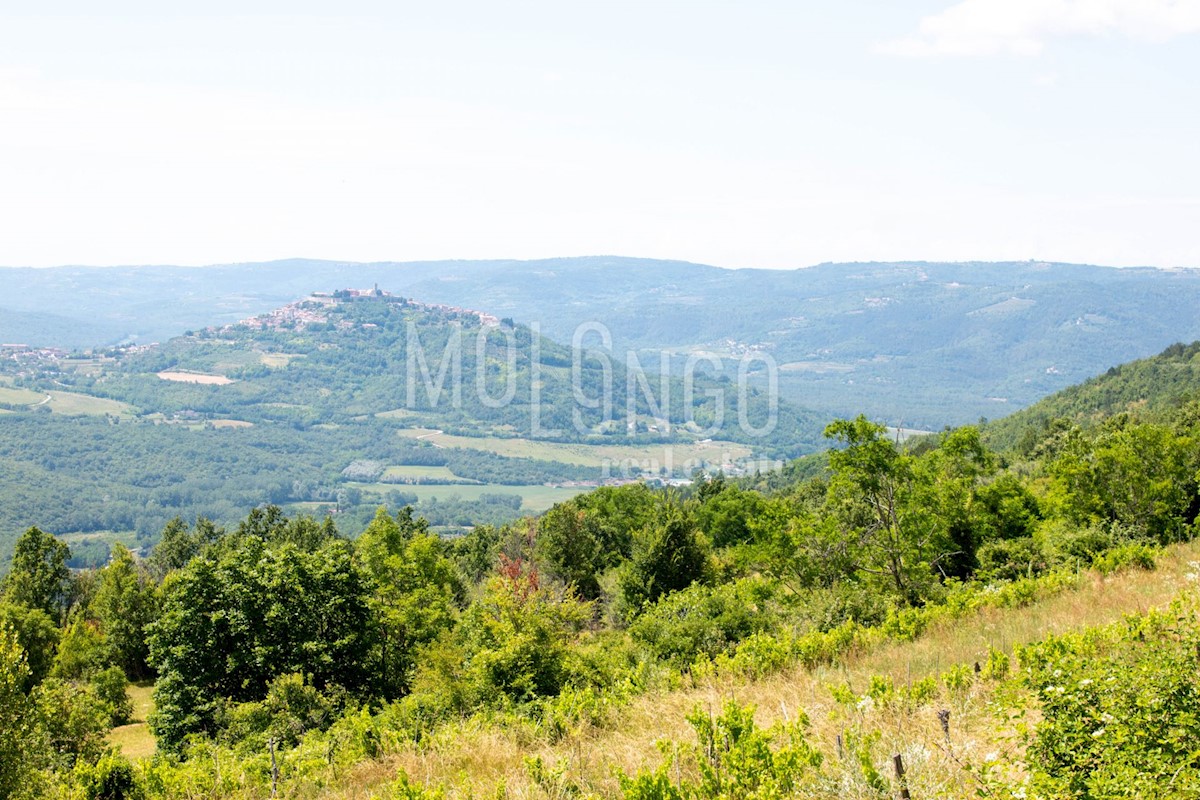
780 642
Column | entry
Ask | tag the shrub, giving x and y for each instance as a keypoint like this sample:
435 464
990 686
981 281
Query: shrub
1010 559
703 620
111 687
1129 555
1118 708
732 758
110 778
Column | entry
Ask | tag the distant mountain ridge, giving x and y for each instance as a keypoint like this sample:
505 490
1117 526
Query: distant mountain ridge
912 343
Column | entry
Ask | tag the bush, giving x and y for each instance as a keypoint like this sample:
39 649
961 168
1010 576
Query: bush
111 778
704 621
1010 559
733 758
1130 554
75 720
1074 547
826 608
1118 708
111 687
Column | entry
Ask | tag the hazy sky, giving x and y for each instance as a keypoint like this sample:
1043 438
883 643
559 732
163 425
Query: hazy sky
765 134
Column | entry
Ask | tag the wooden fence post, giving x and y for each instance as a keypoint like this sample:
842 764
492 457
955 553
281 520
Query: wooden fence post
274 768
898 765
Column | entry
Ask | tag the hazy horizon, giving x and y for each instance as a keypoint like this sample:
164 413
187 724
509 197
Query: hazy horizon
981 261
772 135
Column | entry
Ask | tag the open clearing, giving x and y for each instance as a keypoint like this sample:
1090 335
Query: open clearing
127 538
590 455
231 423
20 397
278 360
419 473
195 377
135 740
73 404
534 499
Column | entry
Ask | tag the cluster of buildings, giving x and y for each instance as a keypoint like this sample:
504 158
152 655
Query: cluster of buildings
23 353
314 309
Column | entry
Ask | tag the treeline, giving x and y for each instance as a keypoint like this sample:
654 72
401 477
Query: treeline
1154 388
89 474
279 635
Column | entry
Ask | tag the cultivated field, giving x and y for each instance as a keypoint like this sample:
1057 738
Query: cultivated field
73 404
534 499
195 377
420 473
23 397
589 455
231 423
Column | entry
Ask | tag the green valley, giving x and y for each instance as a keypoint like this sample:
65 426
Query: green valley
344 401
961 607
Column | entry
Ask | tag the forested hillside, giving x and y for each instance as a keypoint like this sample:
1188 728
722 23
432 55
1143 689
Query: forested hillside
292 656
911 343
1152 388
335 405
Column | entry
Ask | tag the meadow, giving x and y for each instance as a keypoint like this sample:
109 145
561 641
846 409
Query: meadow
473 758
589 455
534 499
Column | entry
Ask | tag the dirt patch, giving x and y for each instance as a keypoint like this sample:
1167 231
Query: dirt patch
195 377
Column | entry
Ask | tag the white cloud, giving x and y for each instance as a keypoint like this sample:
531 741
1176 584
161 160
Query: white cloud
1023 27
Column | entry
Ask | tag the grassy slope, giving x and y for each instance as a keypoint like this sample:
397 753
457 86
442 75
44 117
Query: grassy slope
474 758
135 740
588 455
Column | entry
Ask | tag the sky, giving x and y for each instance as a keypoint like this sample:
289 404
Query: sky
748 134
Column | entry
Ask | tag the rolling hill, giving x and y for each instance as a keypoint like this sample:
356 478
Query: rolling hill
339 403
913 343
1148 388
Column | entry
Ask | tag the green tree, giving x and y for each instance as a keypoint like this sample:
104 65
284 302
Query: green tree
725 513
622 511
178 545
36 634
666 558
16 721
568 545
413 598
124 603
111 687
889 531
1142 476
232 624
82 651
946 481
39 577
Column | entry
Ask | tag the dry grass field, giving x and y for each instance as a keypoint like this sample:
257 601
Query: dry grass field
473 759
